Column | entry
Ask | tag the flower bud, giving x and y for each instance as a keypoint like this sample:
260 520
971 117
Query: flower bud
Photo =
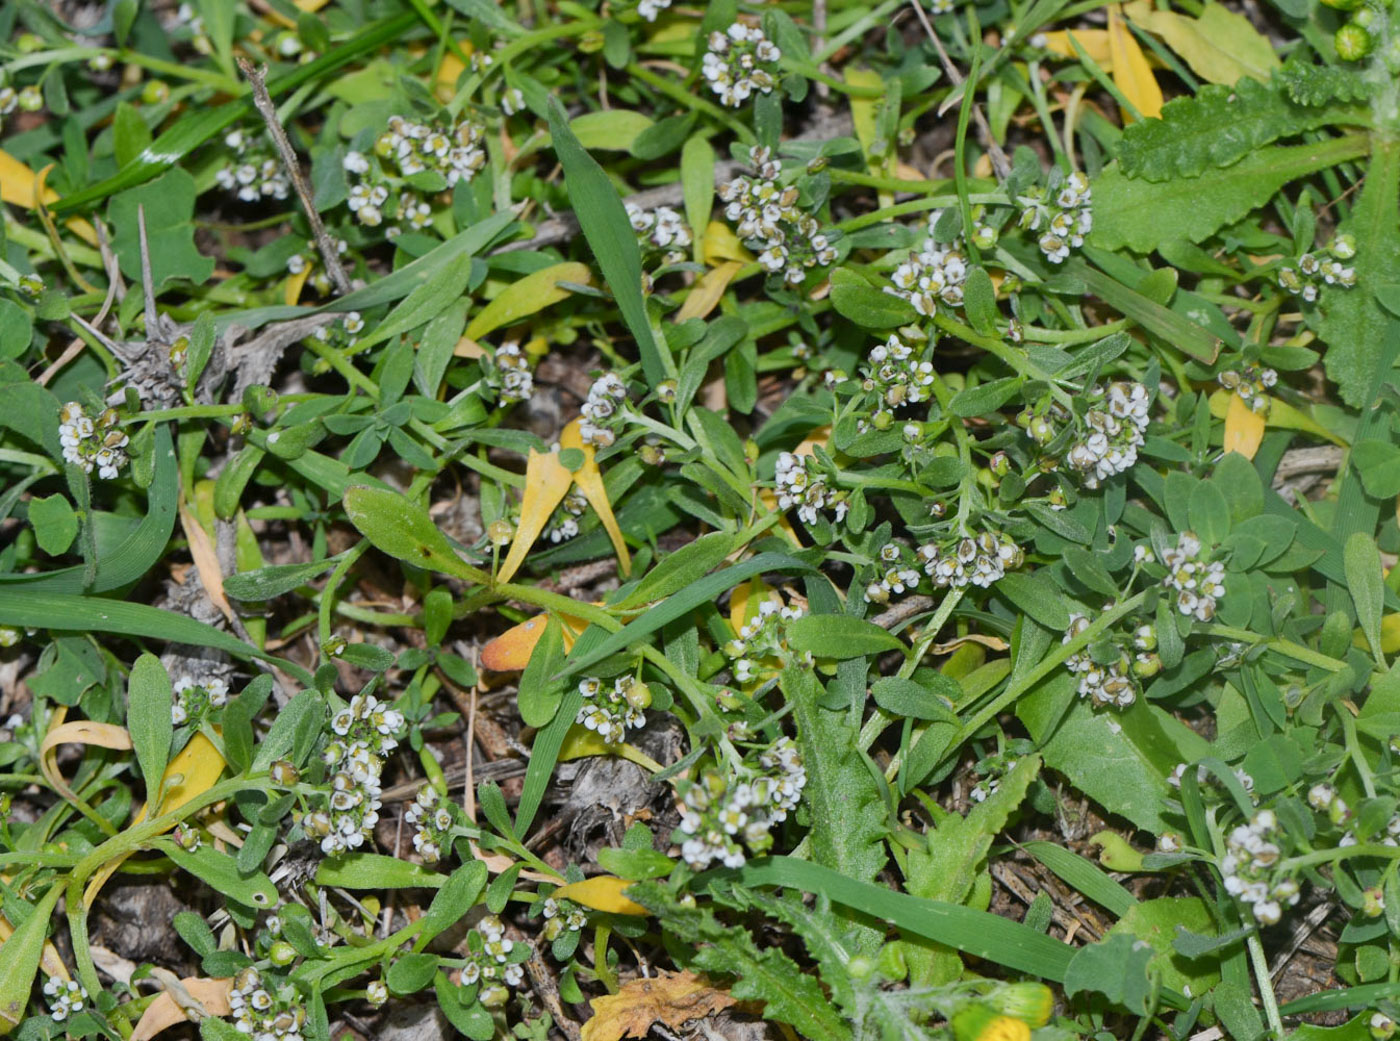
155 91
817 165
283 773
1031 1003
282 954
1381 1026
861 967
376 992
1373 902
1353 42
494 996
637 693
500 532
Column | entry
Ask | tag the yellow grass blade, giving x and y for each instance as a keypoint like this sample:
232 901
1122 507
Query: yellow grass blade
590 482
1131 72
546 484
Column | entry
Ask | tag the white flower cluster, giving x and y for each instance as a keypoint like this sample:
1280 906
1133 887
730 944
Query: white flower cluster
607 392
611 712
510 374
732 63
92 444
799 483
769 221
898 373
1112 685
1115 427
193 701
973 561
1066 218
263 1014
649 9
933 274
560 915
1312 271
565 525
362 736
1203 775
490 962
662 228
1252 852
254 172
1252 384
433 822
1199 581
344 332
762 640
895 577
413 148
723 816
66 998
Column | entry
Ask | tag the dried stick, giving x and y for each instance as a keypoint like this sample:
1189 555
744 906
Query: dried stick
330 256
1000 163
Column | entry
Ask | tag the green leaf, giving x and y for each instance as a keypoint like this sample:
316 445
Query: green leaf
612 130
1037 596
168 203
698 184
764 975
1085 877
443 288
930 698
1209 513
276 579
1115 968
1156 922
19 959
1194 208
1352 322
540 694
401 528
840 636
543 756
410 973
858 301
454 899
1216 127
674 571
375 871
609 233
54 522
1366 583
130 134
985 397
1377 463
292 730
635 864
706 590
149 697
848 814
1309 84
23 607
219 872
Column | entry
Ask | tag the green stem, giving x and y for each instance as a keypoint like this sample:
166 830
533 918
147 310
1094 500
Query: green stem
681 95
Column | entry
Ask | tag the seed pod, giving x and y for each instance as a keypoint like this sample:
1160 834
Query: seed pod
1032 1003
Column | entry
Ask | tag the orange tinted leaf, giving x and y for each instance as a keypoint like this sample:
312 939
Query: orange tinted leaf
209 998
546 484
1244 428
669 998
602 893
510 652
20 186
590 482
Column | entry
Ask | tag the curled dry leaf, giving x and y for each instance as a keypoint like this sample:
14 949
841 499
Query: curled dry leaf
202 997
670 998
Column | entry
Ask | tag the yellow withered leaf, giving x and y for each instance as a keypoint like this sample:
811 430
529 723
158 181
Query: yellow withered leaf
1282 416
705 294
21 186
1390 635
80 732
291 291
720 243
669 998
580 743
206 561
207 997
49 961
1220 45
190 774
1131 72
1244 428
522 298
510 652
1094 42
590 482
546 483
602 893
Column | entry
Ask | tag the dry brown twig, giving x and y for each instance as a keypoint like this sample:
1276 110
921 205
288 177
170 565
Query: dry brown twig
1000 163
330 255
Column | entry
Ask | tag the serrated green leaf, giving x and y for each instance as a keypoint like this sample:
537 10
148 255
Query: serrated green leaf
1309 84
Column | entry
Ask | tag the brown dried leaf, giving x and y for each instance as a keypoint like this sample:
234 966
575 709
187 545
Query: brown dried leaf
670 998
198 997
